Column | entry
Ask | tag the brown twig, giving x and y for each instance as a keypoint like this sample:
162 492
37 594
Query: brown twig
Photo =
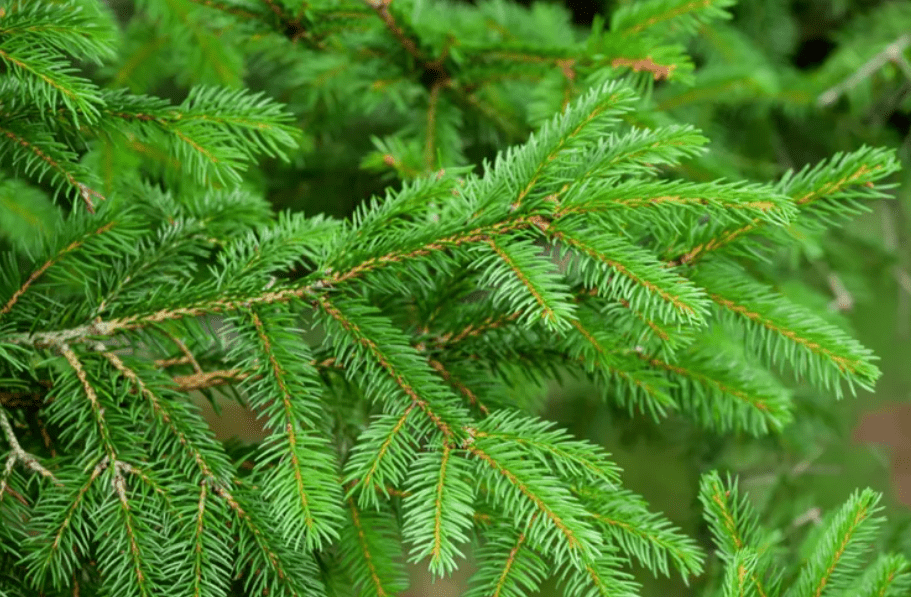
20 455
183 383
891 53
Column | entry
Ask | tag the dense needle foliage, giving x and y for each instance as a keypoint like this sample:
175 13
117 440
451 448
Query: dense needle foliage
395 357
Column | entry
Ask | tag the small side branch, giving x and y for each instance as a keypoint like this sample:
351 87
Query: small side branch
47 264
87 194
208 379
384 362
184 349
462 388
381 7
92 395
183 383
17 454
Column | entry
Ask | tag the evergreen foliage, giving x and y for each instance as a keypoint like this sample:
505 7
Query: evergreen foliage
144 263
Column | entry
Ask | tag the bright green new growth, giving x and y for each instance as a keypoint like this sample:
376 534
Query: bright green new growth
400 434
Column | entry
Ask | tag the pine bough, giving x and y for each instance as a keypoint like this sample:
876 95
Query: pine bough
399 435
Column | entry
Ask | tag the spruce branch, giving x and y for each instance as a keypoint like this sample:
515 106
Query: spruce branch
47 77
38 152
293 28
840 547
509 567
304 481
523 489
823 190
649 537
646 64
813 347
269 561
395 365
371 552
659 330
534 278
140 559
63 517
439 508
381 7
627 263
566 457
7 307
889 574
210 572
442 308
212 465
601 576
742 543
758 404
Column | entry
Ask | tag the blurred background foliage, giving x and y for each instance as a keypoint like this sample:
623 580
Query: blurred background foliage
781 84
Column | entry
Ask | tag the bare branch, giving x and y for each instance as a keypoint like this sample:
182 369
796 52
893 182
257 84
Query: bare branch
891 53
17 454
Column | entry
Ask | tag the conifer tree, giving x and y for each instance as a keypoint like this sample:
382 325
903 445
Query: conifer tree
144 263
